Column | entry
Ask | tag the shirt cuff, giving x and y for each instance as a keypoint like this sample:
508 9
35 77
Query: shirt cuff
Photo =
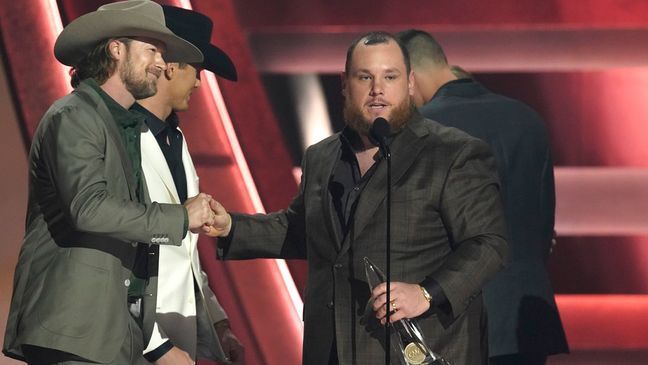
440 301
225 242
156 354
186 223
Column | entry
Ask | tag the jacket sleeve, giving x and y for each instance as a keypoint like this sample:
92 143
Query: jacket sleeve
74 149
471 209
275 235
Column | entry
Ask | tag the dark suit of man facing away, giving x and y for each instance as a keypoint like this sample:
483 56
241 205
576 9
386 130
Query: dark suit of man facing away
447 224
523 321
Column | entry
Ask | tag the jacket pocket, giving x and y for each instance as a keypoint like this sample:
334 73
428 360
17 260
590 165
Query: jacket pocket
72 296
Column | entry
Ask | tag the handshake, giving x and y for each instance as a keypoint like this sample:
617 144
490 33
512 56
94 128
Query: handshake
207 216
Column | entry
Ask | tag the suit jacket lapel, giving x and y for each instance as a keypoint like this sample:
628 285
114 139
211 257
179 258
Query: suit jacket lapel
404 151
90 96
152 156
333 150
192 190
190 171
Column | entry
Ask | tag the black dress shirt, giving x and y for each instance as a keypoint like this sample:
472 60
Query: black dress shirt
346 184
169 138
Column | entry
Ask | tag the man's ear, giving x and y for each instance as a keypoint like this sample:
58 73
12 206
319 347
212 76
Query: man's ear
411 83
116 49
343 80
170 71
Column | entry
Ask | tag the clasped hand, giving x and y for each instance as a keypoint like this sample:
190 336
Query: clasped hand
208 216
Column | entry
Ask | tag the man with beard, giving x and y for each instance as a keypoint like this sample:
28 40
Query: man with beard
447 224
81 287
523 321
190 322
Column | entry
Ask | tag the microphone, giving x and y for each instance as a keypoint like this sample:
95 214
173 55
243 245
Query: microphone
378 134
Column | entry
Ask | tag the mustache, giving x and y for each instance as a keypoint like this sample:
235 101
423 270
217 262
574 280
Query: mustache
155 71
377 101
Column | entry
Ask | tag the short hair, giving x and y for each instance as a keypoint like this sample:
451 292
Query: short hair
376 37
422 47
460 73
98 64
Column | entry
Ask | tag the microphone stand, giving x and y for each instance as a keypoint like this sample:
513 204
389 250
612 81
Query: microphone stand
384 148
379 133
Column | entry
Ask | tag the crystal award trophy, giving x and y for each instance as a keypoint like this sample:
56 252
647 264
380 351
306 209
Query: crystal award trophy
406 336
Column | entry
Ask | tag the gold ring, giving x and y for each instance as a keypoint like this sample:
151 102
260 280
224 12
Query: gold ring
393 305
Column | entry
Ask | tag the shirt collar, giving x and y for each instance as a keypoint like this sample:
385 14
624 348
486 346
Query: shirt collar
155 124
460 87
123 117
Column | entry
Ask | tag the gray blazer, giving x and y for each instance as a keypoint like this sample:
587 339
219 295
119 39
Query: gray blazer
447 223
82 229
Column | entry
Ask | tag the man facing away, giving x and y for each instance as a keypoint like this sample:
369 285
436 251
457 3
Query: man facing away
447 225
189 321
83 289
523 321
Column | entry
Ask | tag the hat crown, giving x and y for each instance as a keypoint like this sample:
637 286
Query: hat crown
145 8
190 25
197 29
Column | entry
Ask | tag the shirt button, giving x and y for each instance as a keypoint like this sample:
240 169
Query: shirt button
134 244
127 282
356 188
330 305
337 266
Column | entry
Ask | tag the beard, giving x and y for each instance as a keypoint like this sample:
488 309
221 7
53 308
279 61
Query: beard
139 87
397 119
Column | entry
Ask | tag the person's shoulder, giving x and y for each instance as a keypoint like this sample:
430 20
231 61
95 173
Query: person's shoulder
445 134
81 97
75 107
451 141
514 105
487 111
326 143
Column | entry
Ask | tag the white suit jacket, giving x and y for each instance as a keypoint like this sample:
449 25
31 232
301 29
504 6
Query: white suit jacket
184 316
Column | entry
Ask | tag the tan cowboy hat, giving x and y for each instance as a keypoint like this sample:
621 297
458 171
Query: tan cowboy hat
133 18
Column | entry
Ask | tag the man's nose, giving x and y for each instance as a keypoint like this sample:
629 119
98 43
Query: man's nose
376 87
159 61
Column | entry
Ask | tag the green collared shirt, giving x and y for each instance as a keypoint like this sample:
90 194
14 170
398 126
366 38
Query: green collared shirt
129 124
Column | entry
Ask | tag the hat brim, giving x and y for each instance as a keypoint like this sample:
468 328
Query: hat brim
82 35
218 62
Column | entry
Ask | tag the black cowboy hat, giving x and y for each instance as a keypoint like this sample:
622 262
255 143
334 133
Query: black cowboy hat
197 28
